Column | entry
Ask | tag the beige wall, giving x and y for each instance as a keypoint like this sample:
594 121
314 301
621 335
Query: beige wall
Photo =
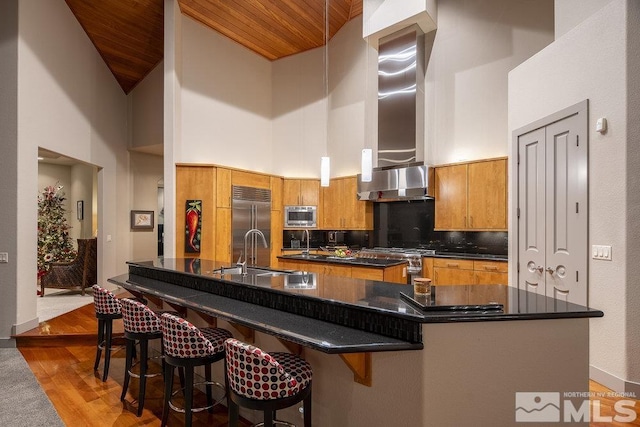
71 104
570 13
146 171
146 131
567 72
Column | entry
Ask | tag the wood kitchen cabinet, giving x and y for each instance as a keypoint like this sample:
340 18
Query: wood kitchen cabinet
341 209
454 271
471 196
301 192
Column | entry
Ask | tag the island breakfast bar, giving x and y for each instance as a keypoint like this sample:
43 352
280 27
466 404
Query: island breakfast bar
458 361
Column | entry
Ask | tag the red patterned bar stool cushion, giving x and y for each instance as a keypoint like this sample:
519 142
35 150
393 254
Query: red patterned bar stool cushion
266 381
187 346
141 324
107 308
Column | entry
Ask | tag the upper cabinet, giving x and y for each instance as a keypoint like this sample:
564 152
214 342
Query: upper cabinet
301 192
471 196
341 209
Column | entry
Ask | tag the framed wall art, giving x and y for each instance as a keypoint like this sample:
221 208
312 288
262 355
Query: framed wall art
142 220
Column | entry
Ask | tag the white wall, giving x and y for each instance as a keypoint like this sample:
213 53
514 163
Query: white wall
146 171
226 101
561 75
299 110
82 188
476 45
146 113
569 13
9 168
238 111
69 103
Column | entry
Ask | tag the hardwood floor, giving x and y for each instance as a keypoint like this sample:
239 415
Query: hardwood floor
65 372
61 353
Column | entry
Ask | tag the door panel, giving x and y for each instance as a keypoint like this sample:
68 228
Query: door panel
552 203
567 249
531 205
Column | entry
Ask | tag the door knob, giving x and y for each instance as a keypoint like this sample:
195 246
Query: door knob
550 270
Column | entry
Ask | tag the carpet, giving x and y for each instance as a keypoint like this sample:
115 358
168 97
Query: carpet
24 403
56 302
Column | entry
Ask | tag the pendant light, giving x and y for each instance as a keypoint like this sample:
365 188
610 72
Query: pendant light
325 166
366 165
325 162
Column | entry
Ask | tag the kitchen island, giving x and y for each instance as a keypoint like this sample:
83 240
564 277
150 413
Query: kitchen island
437 366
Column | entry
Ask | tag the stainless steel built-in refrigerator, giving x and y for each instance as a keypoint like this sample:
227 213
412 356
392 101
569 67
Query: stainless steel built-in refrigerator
251 208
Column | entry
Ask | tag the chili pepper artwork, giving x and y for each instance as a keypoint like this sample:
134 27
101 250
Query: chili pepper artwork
193 226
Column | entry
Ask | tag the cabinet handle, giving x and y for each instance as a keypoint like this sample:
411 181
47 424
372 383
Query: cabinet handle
452 265
492 268
436 275
471 221
550 270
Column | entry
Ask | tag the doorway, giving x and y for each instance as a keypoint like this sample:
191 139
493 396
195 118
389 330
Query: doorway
552 205
79 188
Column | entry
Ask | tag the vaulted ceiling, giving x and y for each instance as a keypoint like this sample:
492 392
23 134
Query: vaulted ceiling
129 34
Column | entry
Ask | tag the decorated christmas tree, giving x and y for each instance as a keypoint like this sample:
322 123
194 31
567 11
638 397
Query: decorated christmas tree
54 243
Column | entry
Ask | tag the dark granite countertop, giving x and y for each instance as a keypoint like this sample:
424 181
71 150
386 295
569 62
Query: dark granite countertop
363 262
370 295
320 335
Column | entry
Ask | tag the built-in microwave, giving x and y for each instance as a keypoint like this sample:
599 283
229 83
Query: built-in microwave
300 216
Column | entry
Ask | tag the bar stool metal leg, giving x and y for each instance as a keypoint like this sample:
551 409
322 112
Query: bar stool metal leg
99 346
107 353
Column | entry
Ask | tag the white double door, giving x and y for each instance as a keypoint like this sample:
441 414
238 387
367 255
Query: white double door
552 206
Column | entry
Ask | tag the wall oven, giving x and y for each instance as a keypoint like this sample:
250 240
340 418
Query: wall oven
300 216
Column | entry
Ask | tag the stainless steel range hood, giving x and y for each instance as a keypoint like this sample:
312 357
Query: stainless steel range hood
392 184
401 173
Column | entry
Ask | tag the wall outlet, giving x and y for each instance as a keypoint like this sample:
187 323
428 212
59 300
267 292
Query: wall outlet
4 257
601 252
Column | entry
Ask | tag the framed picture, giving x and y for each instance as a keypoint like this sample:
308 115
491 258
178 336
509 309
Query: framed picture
142 220
80 209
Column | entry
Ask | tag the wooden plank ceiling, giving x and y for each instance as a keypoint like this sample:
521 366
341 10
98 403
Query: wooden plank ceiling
129 34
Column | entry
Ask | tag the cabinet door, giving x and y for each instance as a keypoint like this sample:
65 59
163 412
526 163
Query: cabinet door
427 268
451 197
487 195
491 272
337 270
223 187
196 183
453 276
223 236
331 205
291 192
309 192
367 273
358 214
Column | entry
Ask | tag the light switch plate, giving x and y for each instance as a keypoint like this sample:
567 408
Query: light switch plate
601 252
4 257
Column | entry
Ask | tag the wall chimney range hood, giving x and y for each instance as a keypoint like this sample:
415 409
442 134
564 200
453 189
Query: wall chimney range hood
401 173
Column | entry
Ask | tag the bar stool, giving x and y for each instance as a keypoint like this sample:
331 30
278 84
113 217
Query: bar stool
266 382
141 324
186 346
107 308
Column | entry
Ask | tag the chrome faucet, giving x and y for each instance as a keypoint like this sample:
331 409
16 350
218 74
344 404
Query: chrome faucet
306 233
246 236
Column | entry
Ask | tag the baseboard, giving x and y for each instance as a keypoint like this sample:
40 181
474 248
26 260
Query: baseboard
614 383
7 343
26 326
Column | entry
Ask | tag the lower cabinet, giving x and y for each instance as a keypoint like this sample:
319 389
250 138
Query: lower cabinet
454 271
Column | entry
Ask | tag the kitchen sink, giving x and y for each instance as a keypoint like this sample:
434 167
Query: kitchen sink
310 256
262 272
